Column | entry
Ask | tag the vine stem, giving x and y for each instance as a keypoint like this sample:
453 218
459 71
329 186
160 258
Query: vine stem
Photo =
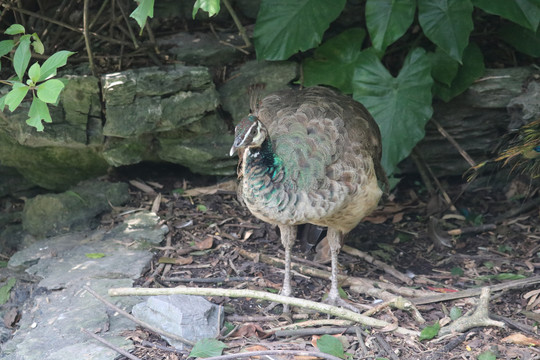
238 24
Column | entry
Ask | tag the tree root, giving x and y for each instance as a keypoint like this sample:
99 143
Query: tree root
479 318
324 308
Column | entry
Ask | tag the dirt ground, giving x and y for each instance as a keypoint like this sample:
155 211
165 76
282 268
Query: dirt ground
212 234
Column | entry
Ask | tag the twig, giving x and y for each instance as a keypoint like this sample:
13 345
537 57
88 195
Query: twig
238 24
210 280
60 23
439 354
399 303
452 141
312 323
314 331
377 289
130 30
385 267
256 354
87 38
479 318
386 347
110 345
325 308
137 321
521 283
472 229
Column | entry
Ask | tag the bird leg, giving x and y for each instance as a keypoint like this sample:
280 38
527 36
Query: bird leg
335 241
288 236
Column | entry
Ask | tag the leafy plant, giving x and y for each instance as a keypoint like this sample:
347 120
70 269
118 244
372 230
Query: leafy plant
6 289
45 90
207 348
442 60
430 331
330 345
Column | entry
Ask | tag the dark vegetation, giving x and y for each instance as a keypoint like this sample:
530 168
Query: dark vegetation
397 234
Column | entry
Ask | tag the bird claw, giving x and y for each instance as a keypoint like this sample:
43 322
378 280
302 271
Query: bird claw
337 301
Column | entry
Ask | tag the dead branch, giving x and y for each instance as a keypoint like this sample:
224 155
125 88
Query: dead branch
479 318
324 308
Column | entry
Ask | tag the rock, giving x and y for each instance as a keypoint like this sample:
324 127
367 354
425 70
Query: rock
12 181
203 48
75 209
141 227
191 317
274 76
50 327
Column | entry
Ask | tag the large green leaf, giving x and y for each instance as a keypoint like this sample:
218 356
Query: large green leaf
22 56
443 68
401 105
333 62
207 348
523 12
285 27
524 40
210 6
16 95
38 111
447 23
387 20
331 345
471 69
50 90
144 10
51 65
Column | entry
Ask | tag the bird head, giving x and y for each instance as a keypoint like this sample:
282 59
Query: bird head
250 132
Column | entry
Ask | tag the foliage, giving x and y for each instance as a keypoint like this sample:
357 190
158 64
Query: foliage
5 290
430 331
331 345
207 348
45 90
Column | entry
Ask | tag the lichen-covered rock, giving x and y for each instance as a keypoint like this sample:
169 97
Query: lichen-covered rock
75 209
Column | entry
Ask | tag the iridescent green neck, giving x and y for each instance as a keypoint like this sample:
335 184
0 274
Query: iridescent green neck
265 159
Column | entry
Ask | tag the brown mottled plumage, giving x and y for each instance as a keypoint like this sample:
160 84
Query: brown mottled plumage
310 156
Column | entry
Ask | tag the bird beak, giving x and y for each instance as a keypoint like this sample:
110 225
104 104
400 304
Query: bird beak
233 149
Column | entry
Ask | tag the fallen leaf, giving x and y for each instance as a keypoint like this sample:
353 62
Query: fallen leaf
521 339
142 186
441 290
176 261
250 330
210 190
156 203
204 244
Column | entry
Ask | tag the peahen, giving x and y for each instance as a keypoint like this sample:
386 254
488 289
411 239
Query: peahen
309 156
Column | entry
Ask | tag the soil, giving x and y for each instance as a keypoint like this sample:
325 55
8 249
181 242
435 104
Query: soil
209 231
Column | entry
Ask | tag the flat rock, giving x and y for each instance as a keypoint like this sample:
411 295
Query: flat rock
191 317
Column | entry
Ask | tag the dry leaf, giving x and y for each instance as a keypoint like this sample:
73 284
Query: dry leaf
250 330
142 186
156 203
176 261
209 190
521 339
205 244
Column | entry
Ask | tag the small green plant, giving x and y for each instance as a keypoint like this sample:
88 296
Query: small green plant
430 331
207 348
39 78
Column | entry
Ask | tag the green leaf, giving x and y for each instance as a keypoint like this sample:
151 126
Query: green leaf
16 95
55 61
331 345
34 72
15 29
447 23
333 62
95 255
4 290
509 276
487 355
2 103
50 90
523 12
6 46
207 348
443 68
22 56
3 264
38 111
388 20
285 27
455 313
472 68
37 44
401 106
456 271
144 10
523 40
430 331
210 6
201 208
